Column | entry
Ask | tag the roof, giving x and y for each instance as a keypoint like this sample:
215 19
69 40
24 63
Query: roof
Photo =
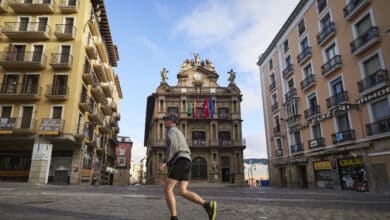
106 33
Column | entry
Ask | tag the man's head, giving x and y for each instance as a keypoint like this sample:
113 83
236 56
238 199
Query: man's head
171 117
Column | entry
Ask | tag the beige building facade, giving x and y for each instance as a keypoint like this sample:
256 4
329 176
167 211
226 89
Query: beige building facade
210 118
325 90
59 95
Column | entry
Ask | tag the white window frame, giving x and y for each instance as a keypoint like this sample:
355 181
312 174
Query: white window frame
370 108
21 113
330 84
336 49
369 56
7 105
314 93
19 20
323 14
323 11
52 110
370 11
48 21
304 67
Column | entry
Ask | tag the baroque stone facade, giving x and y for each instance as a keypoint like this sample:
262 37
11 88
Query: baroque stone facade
210 118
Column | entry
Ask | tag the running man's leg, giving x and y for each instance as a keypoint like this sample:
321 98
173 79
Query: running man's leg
170 196
193 197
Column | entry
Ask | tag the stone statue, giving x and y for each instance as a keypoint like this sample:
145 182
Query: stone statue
197 59
186 65
232 76
209 65
164 75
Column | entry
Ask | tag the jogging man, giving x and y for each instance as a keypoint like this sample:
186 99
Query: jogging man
178 160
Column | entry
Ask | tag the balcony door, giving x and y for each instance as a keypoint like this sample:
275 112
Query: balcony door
27 115
72 2
59 84
37 54
380 110
372 65
343 122
6 111
65 53
337 86
30 84
28 1
363 25
42 24
23 24
10 84
68 25
57 112
46 1
330 52
224 138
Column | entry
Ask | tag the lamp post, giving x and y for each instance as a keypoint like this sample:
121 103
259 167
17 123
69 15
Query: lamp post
250 171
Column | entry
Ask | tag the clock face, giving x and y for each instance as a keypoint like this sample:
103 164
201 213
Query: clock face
197 76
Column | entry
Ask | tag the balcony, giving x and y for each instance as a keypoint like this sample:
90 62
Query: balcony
87 104
26 31
279 153
98 94
91 49
290 94
106 127
36 7
293 120
277 130
312 111
296 148
90 78
274 107
61 61
337 99
17 125
354 7
114 107
21 92
304 55
100 72
308 82
288 70
321 5
106 109
316 143
57 93
378 127
101 47
107 89
225 143
69 6
343 136
51 126
373 82
272 86
96 117
65 31
333 64
198 143
93 25
326 34
22 61
365 41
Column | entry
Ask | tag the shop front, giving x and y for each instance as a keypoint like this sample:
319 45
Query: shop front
353 174
323 174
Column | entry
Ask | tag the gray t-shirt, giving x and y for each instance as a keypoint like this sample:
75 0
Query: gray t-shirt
176 146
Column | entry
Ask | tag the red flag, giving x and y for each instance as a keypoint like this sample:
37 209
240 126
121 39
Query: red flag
205 108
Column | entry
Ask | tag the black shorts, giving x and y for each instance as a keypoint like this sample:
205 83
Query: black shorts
180 170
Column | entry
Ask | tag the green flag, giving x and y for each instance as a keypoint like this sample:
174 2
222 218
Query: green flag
189 107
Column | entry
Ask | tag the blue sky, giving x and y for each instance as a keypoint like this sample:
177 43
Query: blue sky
153 34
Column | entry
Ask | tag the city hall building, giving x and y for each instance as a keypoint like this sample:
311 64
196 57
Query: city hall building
59 94
210 118
326 94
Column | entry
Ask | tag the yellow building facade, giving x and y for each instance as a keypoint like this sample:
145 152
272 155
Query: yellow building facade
325 89
59 95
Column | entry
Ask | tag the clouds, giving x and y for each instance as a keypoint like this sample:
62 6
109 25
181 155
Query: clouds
256 146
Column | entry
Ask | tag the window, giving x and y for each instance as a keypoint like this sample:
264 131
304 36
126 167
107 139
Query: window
312 100
337 86
223 112
10 84
30 84
6 111
122 151
274 99
198 135
330 52
325 21
42 24
288 60
342 122
57 112
307 71
271 64
87 160
279 144
199 169
59 85
65 54
286 46
363 25
316 131
27 115
122 161
173 110
304 44
37 54
372 65
23 23
68 25
301 27
380 109
321 4
276 121
272 81
297 137
290 84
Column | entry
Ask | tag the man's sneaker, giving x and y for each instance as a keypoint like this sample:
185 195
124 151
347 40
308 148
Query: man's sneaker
211 209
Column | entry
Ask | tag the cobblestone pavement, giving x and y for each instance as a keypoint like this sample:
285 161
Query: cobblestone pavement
31 201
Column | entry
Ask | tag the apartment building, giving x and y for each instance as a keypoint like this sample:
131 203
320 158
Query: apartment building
325 90
210 118
59 94
123 161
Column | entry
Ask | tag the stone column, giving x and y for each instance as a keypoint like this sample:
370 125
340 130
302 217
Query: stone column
40 160
77 164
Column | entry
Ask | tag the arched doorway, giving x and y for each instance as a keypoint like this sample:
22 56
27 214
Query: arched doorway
225 165
199 169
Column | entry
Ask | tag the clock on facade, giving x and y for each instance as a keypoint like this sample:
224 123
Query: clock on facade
197 76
